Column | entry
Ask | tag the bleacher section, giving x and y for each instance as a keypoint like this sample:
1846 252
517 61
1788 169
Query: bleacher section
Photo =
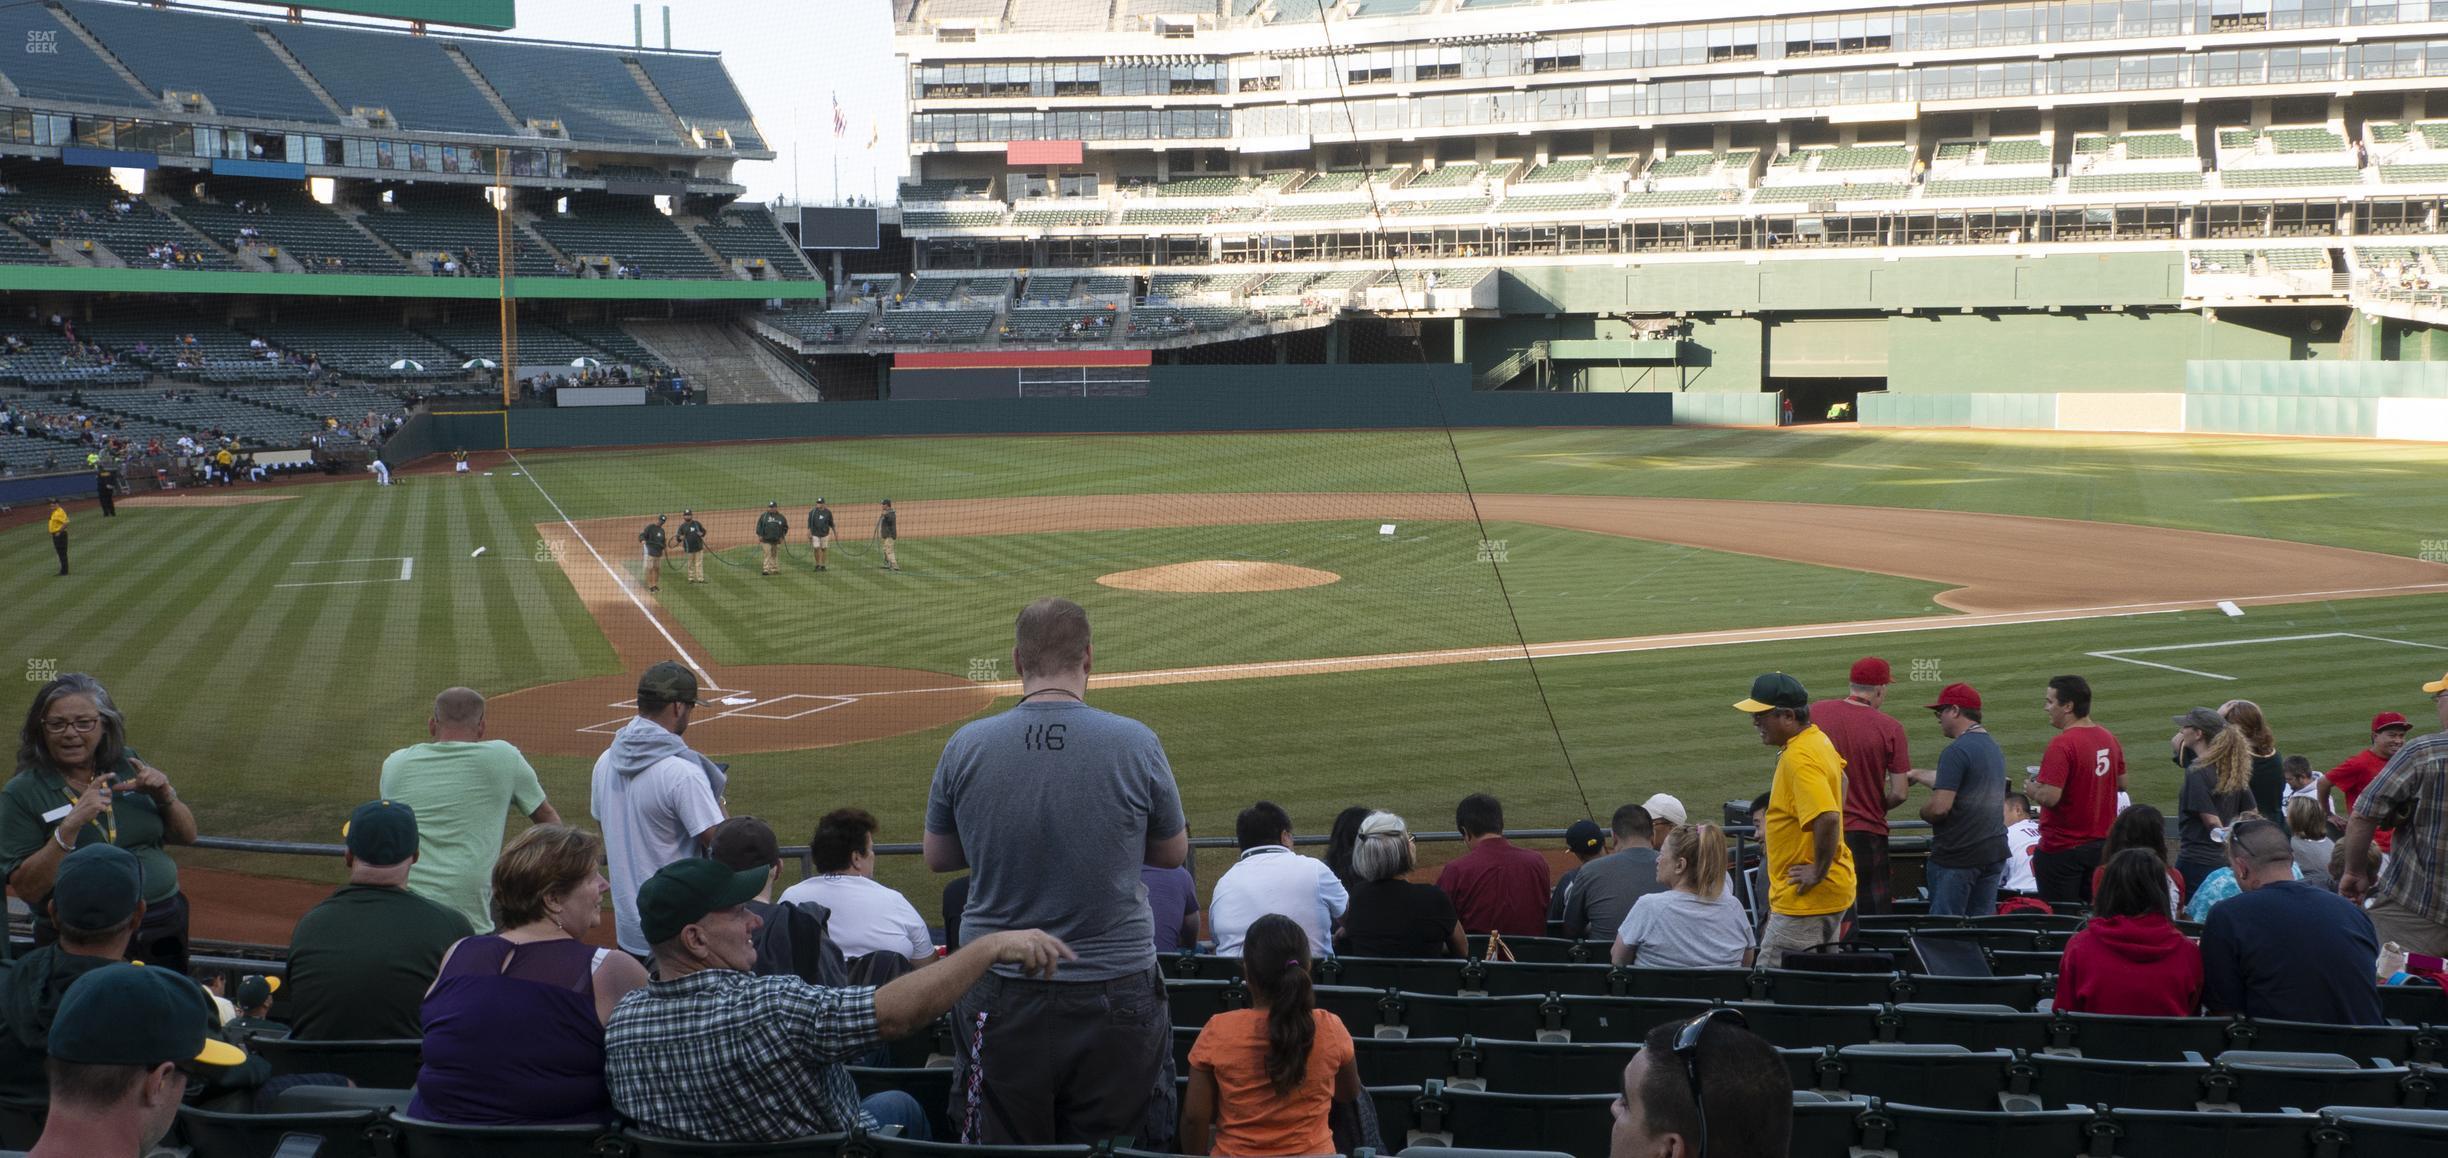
818 324
231 413
68 70
290 224
186 347
1845 191
424 224
610 232
750 232
700 90
1059 325
1996 168
1054 214
930 326
982 218
179 52
587 91
75 205
410 77
2286 157
1175 321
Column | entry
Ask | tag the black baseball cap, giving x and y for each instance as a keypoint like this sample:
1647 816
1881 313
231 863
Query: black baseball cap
1584 836
1772 691
129 1015
381 832
256 989
684 892
669 682
97 887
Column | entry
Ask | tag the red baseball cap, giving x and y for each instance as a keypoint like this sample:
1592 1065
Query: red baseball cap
2386 720
1957 696
1872 672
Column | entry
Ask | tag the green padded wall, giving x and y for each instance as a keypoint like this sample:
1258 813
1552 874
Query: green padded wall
2318 379
1927 282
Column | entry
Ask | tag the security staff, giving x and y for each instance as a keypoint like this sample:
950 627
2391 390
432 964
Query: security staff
59 533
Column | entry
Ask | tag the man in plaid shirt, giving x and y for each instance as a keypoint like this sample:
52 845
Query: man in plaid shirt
2410 904
710 1052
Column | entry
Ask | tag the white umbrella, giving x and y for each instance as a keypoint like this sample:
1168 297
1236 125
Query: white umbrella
585 362
407 364
472 363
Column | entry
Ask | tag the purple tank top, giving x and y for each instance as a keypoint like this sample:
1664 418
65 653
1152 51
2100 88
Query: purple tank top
511 1038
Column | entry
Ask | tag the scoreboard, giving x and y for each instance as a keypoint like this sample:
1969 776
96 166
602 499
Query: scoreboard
491 15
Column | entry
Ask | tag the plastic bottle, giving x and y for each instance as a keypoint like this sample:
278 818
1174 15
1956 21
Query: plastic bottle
2392 960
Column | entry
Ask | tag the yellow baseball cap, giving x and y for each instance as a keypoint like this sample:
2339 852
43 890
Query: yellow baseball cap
2437 686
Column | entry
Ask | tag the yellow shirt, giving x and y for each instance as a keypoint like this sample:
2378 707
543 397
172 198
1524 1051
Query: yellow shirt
1809 784
59 520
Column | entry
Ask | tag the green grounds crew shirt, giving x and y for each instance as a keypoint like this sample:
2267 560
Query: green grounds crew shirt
889 525
692 536
30 994
360 963
652 536
772 527
463 793
820 521
134 823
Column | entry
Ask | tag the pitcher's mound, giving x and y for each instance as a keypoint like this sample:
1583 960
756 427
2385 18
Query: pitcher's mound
1219 576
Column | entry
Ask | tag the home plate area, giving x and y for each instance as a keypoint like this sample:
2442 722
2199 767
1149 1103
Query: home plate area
772 709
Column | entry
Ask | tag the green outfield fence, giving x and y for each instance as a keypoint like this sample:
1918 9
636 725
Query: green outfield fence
1180 399
2405 401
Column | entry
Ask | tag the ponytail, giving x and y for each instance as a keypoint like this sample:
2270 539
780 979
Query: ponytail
1702 849
1275 962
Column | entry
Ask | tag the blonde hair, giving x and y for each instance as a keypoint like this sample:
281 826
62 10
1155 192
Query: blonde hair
2245 716
2230 760
2305 816
542 865
1702 849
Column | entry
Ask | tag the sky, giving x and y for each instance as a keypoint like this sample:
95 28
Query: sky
791 60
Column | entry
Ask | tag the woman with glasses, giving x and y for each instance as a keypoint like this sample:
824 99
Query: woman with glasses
79 783
1390 916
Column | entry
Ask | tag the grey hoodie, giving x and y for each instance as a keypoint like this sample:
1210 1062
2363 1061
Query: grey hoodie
641 744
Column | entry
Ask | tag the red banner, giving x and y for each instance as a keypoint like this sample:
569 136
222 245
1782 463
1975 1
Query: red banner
1021 153
995 359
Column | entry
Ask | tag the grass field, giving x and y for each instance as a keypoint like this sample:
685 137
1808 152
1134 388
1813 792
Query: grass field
272 705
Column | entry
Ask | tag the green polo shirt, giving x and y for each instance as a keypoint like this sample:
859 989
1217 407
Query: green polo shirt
133 823
360 963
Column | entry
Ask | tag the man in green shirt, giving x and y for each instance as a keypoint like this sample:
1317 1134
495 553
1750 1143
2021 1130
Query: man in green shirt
652 537
462 787
96 902
692 540
360 962
771 529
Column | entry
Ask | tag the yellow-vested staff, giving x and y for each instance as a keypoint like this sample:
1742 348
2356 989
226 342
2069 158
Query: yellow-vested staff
59 533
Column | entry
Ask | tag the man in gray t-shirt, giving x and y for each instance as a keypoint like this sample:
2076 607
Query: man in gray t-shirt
1603 893
1053 806
1966 810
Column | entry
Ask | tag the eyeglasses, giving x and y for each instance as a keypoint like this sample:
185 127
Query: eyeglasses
1687 1047
86 726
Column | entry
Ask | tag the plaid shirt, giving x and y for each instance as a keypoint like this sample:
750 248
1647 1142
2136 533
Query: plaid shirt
2419 853
725 1056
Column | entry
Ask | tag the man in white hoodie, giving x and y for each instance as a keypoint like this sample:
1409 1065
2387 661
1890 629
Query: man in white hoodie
657 801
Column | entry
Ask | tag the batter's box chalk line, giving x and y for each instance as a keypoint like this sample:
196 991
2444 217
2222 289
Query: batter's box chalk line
2125 654
743 705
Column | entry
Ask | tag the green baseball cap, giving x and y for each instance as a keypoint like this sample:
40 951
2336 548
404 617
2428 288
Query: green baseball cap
129 1015
97 888
669 682
1772 691
381 832
683 892
255 990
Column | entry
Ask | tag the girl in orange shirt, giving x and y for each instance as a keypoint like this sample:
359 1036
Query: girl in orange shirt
1262 1079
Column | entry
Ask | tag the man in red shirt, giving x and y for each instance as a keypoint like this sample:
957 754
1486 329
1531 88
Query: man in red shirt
2080 775
1876 758
2389 732
1495 887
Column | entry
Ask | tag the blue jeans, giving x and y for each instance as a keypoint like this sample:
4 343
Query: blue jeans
896 1108
1965 892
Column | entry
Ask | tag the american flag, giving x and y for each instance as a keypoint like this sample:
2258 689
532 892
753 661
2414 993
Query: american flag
841 124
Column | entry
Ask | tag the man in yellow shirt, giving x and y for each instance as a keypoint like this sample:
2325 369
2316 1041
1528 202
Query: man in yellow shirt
59 533
1809 870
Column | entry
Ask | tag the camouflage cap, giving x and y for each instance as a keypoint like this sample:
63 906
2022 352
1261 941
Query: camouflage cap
669 682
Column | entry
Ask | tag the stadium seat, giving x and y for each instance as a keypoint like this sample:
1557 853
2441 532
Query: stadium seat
2396 1043
2384 1133
1705 984
1823 1125
2414 1004
1810 1025
2259 1080
1475 1152
931 1085
643 1145
1403 1061
2022 962
1623 1019
2145 1038
1973 1026
2013 992
21 1126
1812 987
885 1146
384 1064
1556 950
225 1134
1526 1018
419 1139
1499 978
2148 1133
1205 967
1409 974
1397 1109
1571 1123
1909 1131
1542 1067
331 1099
1365 1012
1944 1076
2047 1080
1193 1002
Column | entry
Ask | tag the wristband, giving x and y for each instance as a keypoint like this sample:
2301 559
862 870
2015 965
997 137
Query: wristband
55 838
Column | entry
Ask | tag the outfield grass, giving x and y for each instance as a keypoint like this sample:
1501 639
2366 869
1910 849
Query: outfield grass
273 706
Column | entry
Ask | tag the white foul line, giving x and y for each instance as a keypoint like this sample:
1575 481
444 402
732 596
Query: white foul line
618 579
2120 654
407 568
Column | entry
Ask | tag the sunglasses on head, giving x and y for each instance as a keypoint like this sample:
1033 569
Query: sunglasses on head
1687 1047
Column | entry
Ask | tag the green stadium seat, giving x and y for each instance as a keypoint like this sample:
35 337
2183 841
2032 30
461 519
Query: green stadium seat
2103 1035
1543 1067
1365 1012
2259 1080
1410 974
2414 1004
1627 1019
930 1085
229 1134
380 1064
1405 1061
2137 1133
1825 1126
1812 987
1975 1026
1567 1123
2052 1080
1945 1076
1502 978
1903 1130
1706 984
1524 1018
1193 1002
420 1139
1790 1026
2394 1043
2012 992
1551 949
644 1145
2385 1133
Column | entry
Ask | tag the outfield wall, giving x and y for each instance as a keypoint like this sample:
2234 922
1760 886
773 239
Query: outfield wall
1180 399
2386 400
